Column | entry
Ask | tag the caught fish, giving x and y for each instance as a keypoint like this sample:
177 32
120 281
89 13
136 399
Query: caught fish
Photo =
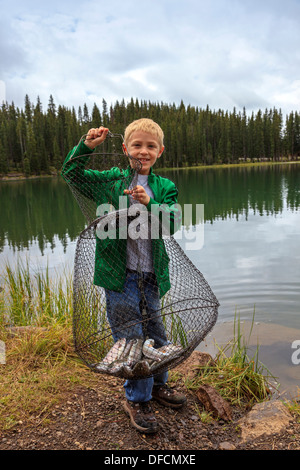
119 367
141 369
135 353
170 350
150 352
116 368
101 367
127 372
115 352
158 365
127 349
113 355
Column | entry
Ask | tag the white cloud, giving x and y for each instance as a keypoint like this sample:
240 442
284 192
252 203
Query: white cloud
221 53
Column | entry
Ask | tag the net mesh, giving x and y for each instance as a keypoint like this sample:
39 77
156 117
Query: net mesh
140 306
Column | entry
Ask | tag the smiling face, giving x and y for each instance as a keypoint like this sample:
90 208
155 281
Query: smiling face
146 148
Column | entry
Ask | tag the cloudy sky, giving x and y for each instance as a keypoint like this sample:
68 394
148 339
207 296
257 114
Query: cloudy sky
221 53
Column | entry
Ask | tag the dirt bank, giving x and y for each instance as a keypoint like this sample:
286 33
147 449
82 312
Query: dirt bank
93 419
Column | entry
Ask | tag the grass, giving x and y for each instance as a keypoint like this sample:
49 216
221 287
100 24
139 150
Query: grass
239 379
41 367
34 376
40 364
173 323
33 298
294 405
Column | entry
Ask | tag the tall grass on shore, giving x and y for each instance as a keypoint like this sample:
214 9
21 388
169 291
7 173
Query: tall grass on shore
33 298
241 379
42 368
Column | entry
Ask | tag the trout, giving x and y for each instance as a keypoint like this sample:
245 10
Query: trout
135 353
150 352
170 350
141 369
127 349
113 355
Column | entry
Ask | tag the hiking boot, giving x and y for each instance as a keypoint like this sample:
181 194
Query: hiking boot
141 416
168 396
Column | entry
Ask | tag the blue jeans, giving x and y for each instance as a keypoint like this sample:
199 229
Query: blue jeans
125 319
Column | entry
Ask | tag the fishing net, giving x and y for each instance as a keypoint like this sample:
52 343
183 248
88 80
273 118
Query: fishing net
140 306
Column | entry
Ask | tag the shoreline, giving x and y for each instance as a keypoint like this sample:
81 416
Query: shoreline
232 165
272 342
21 176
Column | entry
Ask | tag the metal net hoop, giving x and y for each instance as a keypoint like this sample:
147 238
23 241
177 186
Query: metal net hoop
128 320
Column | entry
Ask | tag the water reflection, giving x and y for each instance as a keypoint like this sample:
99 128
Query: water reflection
231 192
44 211
41 212
251 251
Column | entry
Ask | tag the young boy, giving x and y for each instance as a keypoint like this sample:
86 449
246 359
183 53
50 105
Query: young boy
144 259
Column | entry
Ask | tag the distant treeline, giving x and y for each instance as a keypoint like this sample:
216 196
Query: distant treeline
34 141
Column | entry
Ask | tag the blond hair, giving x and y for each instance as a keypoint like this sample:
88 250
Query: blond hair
145 125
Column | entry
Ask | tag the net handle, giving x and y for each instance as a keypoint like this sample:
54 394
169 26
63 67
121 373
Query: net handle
109 134
137 165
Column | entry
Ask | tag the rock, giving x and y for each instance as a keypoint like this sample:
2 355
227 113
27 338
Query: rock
226 446
194 418
188 368
214 403
265 418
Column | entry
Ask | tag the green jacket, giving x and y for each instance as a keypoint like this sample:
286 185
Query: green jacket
97 186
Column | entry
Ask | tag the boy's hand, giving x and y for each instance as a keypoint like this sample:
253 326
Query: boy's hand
95 137
139 194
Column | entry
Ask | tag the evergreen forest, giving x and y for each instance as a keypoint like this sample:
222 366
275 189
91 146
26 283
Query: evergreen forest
35 141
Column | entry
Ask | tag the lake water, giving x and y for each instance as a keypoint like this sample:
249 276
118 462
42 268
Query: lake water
250 254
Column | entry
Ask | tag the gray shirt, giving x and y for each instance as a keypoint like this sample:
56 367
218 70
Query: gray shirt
139 250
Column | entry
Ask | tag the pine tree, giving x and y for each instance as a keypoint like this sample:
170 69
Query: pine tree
51 107
28 109
21 133
50 129
105 118
32 140
258 141
6 164
3 160
31 150
39 133
86 117
56 156
96 116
